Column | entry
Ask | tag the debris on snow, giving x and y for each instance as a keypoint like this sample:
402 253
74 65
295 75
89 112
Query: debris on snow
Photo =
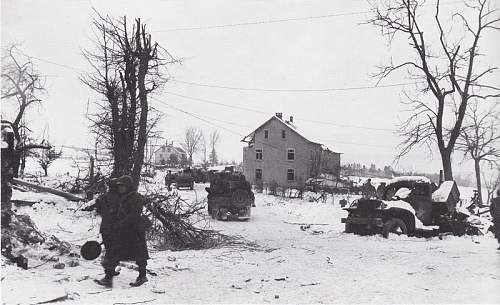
59 265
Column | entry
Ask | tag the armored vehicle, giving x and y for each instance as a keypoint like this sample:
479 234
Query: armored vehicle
409 205
229 196
185 179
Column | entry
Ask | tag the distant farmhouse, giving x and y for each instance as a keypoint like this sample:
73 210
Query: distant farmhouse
169 154
277 152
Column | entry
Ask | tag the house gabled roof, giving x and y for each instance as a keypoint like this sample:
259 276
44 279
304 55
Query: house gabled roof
290 125
178 149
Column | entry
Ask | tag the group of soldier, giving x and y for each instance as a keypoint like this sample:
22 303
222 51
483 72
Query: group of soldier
369 191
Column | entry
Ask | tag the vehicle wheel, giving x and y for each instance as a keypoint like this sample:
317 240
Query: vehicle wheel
394 225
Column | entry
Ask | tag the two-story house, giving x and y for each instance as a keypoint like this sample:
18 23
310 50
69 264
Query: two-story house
164 154
277 152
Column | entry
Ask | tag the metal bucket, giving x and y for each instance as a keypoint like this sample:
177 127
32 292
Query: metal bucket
91 250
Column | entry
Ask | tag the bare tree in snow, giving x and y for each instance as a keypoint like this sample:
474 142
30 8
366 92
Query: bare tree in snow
446 68
480 138
214 140
22 88
46 157
192 142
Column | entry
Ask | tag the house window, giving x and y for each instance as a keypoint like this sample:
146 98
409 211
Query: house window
290 154
266 134
258 174
290 174
283 134
258 154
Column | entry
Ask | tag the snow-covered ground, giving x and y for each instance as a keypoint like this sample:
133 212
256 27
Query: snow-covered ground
316 264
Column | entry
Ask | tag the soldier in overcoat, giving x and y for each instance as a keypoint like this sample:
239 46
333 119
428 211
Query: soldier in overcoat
126 239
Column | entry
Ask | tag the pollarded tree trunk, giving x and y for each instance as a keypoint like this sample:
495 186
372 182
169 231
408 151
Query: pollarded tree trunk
143 119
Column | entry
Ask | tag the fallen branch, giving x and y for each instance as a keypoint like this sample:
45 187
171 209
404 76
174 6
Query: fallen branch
48 260
40 188
23 202
62 229
61 298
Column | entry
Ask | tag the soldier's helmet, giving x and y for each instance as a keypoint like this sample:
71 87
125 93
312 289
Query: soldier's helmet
125 180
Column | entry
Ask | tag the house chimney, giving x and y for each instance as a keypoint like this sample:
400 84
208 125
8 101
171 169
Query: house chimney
291 119
279 115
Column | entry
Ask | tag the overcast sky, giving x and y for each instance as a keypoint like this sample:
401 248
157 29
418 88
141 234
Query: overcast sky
315 53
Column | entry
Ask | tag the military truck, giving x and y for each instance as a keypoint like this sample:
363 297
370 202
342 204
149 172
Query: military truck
409 205
184 179
230 196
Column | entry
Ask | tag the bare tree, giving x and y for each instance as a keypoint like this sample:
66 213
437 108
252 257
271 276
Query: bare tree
480 139
127 67
47 157
447 70
214 140
492 183
23 86
192 142
204 147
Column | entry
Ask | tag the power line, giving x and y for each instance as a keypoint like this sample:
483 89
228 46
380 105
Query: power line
197 116
51 62
290 90
270 113
236 107
270 21
262 22
216 103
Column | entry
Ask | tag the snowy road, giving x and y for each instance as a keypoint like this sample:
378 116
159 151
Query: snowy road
317 265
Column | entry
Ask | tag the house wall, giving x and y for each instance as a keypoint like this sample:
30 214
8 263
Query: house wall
274 163
330 163
164 152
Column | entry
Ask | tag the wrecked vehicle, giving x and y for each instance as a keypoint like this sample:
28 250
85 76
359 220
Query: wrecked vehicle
230 196
409 205
185 179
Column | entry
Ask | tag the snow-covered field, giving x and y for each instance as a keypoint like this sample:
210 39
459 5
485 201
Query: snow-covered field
316 264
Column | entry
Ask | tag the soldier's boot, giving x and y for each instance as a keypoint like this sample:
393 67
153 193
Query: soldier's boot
106 281
142 278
